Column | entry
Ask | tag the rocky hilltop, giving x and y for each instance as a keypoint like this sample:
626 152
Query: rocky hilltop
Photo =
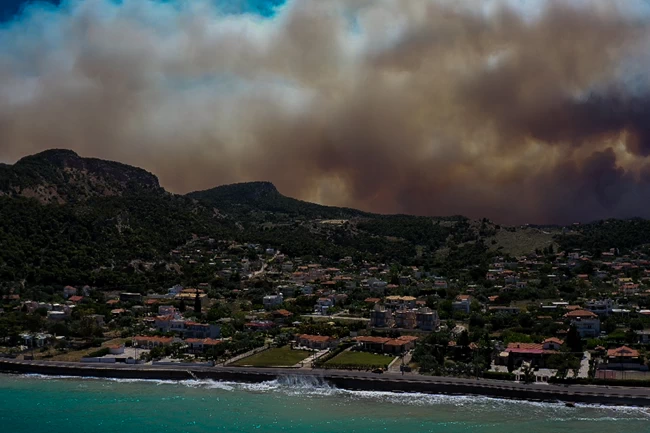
62 176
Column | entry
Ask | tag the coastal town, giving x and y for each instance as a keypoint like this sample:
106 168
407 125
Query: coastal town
547 316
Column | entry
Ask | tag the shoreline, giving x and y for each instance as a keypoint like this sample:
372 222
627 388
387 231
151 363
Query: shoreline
359 381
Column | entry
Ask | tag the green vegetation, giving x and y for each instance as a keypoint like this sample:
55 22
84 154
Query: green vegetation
275 357
353 360
600 236
99 353
256 198
76 243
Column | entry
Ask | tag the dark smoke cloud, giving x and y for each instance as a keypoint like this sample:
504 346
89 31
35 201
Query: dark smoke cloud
534 113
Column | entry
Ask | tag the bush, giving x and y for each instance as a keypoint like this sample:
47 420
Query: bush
99 353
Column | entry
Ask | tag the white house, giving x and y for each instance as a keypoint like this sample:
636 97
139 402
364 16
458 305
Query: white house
602 307
69 291
586 322
271 301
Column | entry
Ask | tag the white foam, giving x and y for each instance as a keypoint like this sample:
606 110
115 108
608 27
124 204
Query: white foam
315 387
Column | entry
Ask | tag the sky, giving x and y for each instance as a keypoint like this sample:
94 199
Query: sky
521 111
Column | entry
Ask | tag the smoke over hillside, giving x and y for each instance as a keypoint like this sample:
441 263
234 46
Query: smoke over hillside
534 111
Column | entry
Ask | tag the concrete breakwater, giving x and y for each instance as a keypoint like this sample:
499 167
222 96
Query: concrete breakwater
629 396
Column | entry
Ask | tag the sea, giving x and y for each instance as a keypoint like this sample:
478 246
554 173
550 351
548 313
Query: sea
45 404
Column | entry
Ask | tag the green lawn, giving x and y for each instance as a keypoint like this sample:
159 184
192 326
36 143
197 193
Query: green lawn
350 358
276 357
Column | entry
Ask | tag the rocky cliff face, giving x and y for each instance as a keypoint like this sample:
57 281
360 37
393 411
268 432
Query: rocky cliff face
61 176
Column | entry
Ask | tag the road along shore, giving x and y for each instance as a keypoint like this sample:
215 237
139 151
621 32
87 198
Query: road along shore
591 394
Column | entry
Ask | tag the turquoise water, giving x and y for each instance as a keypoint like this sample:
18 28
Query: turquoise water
39 404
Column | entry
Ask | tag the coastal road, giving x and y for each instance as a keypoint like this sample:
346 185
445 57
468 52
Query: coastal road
351 379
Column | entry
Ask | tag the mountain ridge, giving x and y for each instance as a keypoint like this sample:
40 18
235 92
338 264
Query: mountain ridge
61 175
91 219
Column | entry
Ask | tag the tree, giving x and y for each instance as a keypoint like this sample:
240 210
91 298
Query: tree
181 306
573 340
529 374
197 303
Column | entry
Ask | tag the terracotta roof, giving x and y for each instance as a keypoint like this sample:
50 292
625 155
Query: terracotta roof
75 298
396 343
315 338
554 340
529 348
623 352
284 313
580 313
374 340
154 339
204 341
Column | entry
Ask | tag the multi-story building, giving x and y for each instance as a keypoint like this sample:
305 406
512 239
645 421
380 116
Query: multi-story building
586 322
397 302
602 307
271 301
405 318
427 319
380 317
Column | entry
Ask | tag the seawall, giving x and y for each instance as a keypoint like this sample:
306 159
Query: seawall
628 396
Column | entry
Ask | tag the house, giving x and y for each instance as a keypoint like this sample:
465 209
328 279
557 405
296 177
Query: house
552 344
75 299
200 345
405 318
151 342
259 325
282 316
427 319
323 304
386 345
586 322
69 291
201 330
130 297
97 318
380 317
504 310
56 315
167 310
462 303
372 301
116 349
319 342
189 297
534 353
602 307
173 291
624 358
271 301
396 302
400 345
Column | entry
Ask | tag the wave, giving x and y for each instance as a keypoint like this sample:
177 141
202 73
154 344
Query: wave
317 387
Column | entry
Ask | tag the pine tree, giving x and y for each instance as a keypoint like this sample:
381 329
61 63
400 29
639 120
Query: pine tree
181 306
573 340
197 303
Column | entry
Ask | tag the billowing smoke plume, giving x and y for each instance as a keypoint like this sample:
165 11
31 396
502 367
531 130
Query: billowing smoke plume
533 111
